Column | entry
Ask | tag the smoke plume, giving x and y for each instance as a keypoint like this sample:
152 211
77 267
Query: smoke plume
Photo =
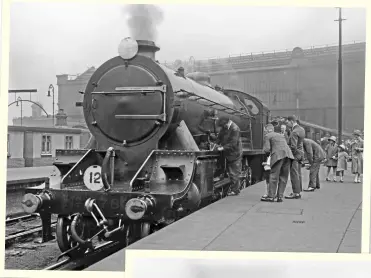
143 21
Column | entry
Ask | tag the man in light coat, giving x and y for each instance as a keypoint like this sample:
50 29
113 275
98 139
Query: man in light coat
315 155
280 158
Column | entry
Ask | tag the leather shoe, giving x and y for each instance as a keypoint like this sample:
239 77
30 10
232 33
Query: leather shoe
293 196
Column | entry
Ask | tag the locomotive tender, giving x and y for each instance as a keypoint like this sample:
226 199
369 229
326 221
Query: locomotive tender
155 162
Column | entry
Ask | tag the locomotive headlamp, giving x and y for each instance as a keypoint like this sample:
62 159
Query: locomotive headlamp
128 48
136 208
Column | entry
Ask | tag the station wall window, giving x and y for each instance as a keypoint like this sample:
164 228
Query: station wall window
68 143
46 144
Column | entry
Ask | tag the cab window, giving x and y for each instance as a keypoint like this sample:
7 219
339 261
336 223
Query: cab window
253 109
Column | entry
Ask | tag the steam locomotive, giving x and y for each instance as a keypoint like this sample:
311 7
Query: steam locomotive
155 162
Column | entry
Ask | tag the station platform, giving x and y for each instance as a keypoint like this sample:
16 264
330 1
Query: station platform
17 179
326 221
24 173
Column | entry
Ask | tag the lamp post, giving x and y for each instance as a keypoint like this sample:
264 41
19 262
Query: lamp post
51 88
340 81
19 99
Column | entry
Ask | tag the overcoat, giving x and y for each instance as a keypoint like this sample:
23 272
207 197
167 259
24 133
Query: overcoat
275 144
342 164
331 150
313 151
230 139
357 156
296 139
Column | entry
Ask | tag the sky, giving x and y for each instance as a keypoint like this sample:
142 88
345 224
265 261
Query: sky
47 39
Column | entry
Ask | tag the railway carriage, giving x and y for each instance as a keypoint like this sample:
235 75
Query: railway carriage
313 131
154 162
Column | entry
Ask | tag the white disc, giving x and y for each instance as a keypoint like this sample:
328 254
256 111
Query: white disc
128 48
93 178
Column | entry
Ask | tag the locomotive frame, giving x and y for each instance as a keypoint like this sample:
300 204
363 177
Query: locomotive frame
159 168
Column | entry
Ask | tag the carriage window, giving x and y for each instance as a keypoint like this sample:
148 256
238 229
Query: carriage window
308 133
251 106
318 136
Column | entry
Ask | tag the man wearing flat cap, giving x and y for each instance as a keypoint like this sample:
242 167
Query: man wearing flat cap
276 146
229 139
296 139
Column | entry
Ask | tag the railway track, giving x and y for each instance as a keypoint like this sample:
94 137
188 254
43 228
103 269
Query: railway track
22 234
23 218
99 253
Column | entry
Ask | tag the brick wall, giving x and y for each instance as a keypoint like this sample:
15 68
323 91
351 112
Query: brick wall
15 162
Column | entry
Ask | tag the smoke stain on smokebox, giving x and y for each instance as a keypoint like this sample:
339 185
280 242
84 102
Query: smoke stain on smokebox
143 20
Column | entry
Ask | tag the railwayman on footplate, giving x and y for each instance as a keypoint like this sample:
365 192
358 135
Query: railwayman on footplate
229 139
315 155
275 145
296 138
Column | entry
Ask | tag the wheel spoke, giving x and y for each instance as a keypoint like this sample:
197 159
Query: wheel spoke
65 239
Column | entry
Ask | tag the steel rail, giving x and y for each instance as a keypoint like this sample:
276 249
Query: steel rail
24 234
14 220
99 253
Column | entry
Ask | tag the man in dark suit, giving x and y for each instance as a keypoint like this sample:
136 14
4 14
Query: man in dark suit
275 145
229 139
315 156
296 138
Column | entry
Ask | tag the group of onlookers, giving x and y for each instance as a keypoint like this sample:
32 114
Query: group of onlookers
288 150
337 157
285 152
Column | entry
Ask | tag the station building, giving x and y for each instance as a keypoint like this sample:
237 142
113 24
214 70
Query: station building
68 94
300 81
34 146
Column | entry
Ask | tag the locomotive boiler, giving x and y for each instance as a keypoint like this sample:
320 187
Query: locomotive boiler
154 162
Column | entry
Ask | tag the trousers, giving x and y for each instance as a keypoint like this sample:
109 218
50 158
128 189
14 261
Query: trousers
234 171
278 177
295 175
314 175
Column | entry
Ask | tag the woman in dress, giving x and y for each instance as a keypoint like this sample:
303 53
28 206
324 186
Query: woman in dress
331 157
356 150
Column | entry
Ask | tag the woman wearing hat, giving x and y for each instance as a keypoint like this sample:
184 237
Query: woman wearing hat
331 160
356 149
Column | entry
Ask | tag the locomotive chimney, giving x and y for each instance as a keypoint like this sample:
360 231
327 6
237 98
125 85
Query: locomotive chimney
147 48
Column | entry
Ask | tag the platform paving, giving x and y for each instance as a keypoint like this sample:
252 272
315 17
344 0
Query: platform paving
326 221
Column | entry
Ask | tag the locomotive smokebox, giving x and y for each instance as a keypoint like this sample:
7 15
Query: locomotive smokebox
147 48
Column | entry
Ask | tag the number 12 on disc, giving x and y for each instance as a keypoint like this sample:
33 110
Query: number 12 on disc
93 178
